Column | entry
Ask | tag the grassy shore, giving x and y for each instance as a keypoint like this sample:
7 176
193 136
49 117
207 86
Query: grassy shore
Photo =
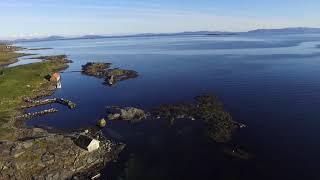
19 82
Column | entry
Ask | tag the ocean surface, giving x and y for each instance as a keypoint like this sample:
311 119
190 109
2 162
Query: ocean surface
269 82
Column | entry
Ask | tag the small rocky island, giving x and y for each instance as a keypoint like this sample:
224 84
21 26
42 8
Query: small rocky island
111 75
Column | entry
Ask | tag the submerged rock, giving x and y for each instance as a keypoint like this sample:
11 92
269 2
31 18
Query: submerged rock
111 76
237 153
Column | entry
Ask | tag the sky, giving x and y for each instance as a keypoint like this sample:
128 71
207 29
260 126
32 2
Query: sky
39 18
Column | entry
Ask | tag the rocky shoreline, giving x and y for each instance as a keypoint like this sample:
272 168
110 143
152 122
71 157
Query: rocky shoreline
46 155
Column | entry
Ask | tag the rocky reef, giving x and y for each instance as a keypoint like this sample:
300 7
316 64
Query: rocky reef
207 108
111 76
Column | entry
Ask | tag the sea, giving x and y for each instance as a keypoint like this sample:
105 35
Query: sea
270 82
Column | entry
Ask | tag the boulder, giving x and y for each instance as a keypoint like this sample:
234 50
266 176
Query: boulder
102 123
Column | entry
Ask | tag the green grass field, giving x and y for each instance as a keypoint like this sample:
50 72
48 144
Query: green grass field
23 81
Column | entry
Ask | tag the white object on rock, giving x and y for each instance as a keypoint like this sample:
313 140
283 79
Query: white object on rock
96 176
94 145
88 143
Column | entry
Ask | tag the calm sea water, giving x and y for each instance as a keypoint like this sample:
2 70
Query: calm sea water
271 83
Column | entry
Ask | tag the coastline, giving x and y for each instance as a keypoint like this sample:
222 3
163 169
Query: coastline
29 152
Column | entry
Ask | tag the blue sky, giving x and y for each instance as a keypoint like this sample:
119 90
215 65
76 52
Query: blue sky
29 18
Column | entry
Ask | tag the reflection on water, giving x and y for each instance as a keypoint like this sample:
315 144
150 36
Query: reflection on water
271 83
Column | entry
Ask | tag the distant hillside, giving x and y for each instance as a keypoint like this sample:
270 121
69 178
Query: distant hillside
50 38
54 38
298 30
90 37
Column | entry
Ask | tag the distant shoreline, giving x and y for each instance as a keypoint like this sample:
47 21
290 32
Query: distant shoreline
281 31
36 49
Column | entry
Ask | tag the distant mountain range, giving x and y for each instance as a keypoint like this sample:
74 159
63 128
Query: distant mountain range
54 38
298 30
